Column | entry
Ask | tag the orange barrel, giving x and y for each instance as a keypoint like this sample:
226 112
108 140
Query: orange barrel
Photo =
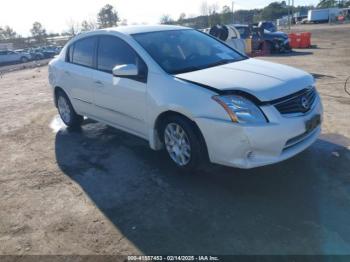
293 40
306 39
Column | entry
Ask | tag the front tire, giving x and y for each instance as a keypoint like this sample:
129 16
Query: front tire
66 111
183 143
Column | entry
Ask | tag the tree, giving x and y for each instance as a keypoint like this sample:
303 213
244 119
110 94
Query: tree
181 19
166 20
204 9
124 22
107 17
214 17
89 25
327 3
73 27
7 33
274 11
333 3
38 32
226 15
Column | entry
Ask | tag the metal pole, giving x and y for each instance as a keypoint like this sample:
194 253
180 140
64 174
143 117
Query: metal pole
233 16
289 15
292 9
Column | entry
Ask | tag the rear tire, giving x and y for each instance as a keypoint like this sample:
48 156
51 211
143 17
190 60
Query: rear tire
183 144
66 111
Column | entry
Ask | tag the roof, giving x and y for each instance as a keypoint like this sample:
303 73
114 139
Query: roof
135 29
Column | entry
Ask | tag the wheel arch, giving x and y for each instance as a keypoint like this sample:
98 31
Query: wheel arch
157 143
55 93
60 89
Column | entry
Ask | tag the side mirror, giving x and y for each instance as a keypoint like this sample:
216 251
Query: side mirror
125 70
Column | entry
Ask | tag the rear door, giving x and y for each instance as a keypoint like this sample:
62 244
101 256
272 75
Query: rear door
7 56
78 73
13 57
3 57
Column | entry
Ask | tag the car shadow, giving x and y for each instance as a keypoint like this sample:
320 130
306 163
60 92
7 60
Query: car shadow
321 76
294 207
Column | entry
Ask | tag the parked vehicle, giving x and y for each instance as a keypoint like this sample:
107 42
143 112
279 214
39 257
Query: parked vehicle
322 15
229 35
268 25
277 41
48 53
35 54
8 56
187 92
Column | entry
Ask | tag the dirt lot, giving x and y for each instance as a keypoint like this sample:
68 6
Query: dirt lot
102 191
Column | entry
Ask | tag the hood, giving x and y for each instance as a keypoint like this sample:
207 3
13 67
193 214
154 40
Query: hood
264 80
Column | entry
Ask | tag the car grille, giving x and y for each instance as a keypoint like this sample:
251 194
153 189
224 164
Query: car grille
300 102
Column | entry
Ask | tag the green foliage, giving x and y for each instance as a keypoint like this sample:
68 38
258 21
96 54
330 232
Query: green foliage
38 32
107 17
274 11
210 17
333 3
327 3
214 19
226 15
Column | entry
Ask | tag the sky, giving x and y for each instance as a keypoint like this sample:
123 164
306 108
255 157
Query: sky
55 15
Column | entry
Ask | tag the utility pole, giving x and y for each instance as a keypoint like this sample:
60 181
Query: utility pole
292 9
233 16
289 20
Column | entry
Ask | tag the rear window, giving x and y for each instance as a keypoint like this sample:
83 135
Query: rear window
82 52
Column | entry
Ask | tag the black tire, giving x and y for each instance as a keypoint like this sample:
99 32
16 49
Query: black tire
74 120
198 153
24 59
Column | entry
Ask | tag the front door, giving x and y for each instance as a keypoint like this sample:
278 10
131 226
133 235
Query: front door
120 101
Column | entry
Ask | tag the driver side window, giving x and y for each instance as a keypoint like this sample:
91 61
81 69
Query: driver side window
113 51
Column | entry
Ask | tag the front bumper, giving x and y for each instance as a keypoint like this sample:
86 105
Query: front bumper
249 146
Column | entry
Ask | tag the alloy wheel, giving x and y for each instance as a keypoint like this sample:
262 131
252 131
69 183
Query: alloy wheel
64 109
177 144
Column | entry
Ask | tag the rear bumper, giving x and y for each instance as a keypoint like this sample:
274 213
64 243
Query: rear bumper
250 146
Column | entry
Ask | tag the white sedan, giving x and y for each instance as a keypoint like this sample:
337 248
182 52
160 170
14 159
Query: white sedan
188 93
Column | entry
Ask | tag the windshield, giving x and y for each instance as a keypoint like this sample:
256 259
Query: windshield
180 51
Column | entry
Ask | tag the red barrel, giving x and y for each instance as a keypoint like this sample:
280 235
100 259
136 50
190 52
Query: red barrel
305 40
294 40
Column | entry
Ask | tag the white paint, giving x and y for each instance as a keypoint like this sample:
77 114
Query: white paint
134 106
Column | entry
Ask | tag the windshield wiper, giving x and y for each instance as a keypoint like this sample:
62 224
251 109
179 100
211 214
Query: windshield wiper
221 62
186 70
196 68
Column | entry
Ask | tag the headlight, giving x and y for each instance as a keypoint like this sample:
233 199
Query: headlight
240 109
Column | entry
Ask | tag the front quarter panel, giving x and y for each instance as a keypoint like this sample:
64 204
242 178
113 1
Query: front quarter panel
168 93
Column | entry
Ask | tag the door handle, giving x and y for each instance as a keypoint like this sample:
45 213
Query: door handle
98 82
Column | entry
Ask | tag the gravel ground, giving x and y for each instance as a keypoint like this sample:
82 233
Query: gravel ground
102 191
15 67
